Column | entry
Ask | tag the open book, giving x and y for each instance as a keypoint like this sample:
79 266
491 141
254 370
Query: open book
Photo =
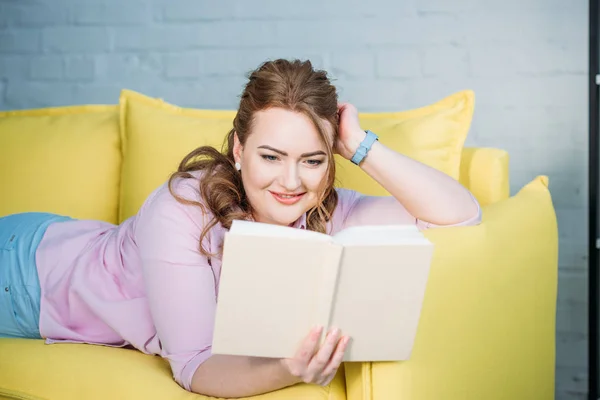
278 282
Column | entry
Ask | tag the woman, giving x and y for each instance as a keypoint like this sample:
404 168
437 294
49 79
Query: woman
152 281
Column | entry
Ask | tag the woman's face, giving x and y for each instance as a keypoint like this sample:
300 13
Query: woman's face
284 165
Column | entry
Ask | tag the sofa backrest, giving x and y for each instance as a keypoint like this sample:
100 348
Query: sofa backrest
101 161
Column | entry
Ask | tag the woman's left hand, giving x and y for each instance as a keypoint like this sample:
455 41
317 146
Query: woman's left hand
350 135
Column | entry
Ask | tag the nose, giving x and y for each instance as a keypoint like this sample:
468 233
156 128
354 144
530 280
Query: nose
291 177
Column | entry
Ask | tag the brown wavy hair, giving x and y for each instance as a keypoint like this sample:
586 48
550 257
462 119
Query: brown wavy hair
292 85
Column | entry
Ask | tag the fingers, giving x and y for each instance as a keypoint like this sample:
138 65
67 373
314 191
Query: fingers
321 359
314 364
337 357
309 346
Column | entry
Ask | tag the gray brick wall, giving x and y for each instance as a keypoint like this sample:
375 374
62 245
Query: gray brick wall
526 60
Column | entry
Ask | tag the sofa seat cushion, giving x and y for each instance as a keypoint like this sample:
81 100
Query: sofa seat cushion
64 160
33 370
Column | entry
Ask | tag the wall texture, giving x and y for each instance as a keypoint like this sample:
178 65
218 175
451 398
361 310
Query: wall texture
526 60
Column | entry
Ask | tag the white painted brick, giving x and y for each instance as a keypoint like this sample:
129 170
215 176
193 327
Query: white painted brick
572 380
99 93
563 127
530 58
571 350
492 6
14 67
445 61
525 91
572 225
21 95
129 67
47 67
19 41
69 39
229 62
112 13
572 317
330 10
193 10
399 30
182 65
376 95
32 15
3 105
399 63
215 93
352 64
5 20
200 35
510 27
79 68
568 189
573 286
571 396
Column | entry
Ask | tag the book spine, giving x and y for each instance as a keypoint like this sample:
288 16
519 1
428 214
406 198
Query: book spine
328 286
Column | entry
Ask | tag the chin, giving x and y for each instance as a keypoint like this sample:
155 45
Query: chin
284 220
284 217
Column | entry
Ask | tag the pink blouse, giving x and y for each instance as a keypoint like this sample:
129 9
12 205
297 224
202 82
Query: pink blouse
145 284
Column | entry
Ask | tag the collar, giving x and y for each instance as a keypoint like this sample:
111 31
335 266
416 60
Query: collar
300 222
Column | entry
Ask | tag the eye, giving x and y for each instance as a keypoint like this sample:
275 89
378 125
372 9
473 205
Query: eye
269 157
314 163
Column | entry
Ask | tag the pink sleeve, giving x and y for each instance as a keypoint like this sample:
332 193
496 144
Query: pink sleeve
358 209
474 220
180 284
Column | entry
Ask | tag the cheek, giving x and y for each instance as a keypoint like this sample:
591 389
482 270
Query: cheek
314 179
258 175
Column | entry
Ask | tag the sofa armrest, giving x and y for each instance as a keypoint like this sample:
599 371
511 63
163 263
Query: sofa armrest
484 171
487 328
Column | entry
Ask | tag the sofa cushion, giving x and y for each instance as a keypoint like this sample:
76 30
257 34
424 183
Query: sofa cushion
433 134
30 369
485 172
64 160
488 320
156 136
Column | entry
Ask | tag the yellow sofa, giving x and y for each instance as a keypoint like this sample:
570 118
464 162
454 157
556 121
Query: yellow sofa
488 319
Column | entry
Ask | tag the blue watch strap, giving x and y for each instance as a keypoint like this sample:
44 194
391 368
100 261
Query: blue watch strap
364 147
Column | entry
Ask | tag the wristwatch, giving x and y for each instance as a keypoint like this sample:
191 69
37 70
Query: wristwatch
364 147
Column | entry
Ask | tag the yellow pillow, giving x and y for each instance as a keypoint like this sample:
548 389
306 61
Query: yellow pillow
156 136
64 160
434 135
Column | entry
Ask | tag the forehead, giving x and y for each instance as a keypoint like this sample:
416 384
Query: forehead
285 128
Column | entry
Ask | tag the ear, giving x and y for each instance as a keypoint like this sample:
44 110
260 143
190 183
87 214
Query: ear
238 149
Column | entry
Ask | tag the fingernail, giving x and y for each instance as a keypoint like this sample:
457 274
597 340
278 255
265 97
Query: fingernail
334 332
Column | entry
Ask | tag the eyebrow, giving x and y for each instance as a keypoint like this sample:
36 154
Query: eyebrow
283 153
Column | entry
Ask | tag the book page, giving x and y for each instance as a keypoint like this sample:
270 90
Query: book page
272 292
384 235
250 228
378 300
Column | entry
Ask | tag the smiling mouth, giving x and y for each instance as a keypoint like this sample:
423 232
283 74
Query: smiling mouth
287 198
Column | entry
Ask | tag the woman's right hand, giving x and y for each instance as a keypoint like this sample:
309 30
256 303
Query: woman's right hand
314 364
